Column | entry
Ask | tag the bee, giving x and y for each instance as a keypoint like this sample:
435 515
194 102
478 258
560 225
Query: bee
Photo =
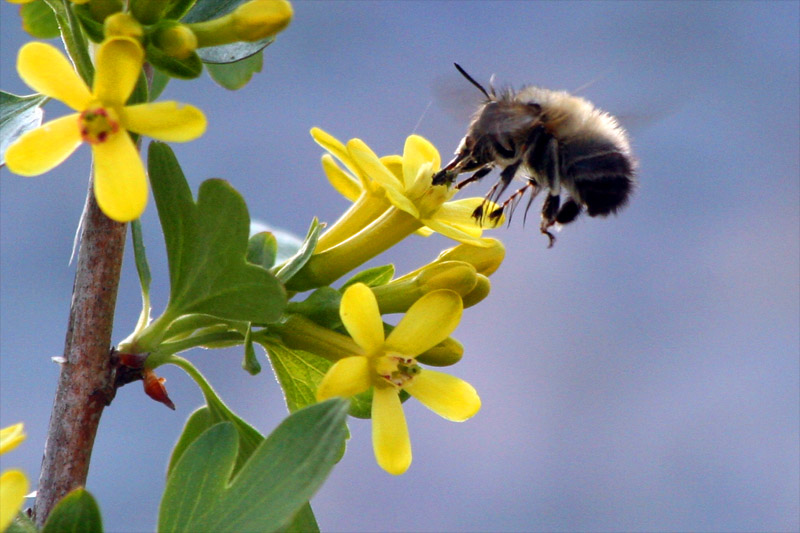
550 140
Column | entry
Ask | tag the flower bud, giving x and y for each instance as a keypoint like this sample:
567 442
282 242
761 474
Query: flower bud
446 353
399 295
123 25
261 18
479 292
485 259
176 40
251 21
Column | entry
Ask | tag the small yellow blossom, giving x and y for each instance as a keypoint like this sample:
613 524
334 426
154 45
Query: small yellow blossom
388 365
102 119
403 182
13 483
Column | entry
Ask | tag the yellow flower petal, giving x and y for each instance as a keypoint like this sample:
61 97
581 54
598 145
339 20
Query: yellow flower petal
361 317
460 212
45 147
390 440
395 165
120 186
119 63
417 152
337 149
49 72
344 183
347 377
371 166
165 121
13 487
466 234
10 437
448 396
428 322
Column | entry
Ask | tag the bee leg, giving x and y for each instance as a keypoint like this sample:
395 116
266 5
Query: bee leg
568 212
475 177
496 191
549 212
510 204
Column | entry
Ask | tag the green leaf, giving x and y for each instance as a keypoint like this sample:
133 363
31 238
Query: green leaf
39 20
321 306
303 522
93 28
77 512
291 266
178 9
186 69
21 524
143 270
18 114
199 421
372 277
299 374
281 476
262 248
236 75
206 248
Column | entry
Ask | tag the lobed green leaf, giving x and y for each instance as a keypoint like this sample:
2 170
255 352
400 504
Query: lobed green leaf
267 493
206 248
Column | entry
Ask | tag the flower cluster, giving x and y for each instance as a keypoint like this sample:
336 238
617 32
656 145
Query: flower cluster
393 197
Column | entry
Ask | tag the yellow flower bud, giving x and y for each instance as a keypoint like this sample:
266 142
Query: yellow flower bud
457 276
479 292
400 294
485 259
177 41
261 18
446 353
124 25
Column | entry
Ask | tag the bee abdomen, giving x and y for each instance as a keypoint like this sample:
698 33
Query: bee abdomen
602 182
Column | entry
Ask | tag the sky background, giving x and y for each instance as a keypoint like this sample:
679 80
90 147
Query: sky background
643 374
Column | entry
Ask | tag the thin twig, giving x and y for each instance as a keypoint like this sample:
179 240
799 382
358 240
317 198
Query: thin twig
86 383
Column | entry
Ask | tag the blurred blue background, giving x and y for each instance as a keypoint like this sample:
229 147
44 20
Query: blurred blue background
641 375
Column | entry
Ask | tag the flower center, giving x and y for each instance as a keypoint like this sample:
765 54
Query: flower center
397 370
97 123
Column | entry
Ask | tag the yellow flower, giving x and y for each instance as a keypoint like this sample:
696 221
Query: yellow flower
102 120
403 182
13 483
394 198
388 365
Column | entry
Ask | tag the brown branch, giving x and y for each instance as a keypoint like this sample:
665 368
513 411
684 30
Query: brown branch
86 383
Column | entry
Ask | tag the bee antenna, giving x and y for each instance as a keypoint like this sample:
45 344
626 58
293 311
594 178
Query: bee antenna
472 80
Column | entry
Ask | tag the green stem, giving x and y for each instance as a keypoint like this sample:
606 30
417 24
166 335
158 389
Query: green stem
212 399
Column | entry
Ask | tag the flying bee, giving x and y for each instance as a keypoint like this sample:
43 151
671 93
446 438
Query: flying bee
550 140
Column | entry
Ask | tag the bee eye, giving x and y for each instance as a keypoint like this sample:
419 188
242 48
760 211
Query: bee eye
535 107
